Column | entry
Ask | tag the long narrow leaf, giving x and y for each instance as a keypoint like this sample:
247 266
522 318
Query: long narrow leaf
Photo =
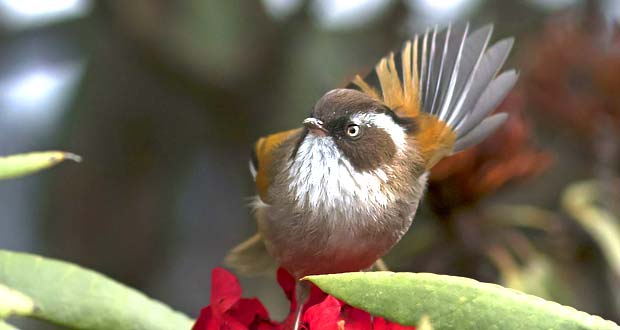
453 302
78 298
6 326
14 302
23 164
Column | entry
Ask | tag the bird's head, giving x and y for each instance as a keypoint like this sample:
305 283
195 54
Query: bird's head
358 128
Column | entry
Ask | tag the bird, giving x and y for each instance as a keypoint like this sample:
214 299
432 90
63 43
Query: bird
337 193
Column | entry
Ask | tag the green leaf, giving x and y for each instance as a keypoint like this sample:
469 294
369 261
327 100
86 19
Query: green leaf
6 326
14 302
582 201
79 298
425 323
23 164
453 302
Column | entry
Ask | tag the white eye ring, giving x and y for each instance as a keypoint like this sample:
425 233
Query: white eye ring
353 130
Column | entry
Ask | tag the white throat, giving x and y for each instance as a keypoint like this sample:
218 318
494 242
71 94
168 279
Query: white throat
322 179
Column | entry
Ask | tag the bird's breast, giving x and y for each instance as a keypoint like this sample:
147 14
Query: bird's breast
320 179
325 217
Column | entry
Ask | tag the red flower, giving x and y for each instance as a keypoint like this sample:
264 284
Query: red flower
228 311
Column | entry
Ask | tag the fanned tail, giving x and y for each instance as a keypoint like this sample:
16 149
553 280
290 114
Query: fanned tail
449 82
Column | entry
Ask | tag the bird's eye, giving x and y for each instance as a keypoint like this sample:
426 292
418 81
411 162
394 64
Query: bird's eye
353 130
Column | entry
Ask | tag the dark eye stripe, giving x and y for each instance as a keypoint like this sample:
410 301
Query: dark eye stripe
371 149
337 125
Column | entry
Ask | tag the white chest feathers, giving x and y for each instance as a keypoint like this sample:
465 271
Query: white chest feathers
323 180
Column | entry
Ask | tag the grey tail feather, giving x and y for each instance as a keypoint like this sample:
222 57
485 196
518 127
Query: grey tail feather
459 81
251 257
462 82
480 132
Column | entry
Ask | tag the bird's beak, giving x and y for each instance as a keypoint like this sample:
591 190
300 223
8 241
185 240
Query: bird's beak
315 126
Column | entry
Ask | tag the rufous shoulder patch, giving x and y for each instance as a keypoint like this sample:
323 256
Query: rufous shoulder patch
264 149
434 139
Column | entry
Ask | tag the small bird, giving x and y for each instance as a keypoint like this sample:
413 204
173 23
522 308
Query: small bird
338 193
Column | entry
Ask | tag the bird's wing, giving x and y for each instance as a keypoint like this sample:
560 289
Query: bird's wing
262 157
448 82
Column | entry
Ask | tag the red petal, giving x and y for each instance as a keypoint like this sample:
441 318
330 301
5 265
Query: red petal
356 319
247 311
206 314
208 320
380 323
225 290
323 316
316 296
267 325
229 323
287 283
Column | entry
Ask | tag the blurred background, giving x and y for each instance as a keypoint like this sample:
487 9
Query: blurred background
164 100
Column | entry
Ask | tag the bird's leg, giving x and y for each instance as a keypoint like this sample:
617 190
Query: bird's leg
302 290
